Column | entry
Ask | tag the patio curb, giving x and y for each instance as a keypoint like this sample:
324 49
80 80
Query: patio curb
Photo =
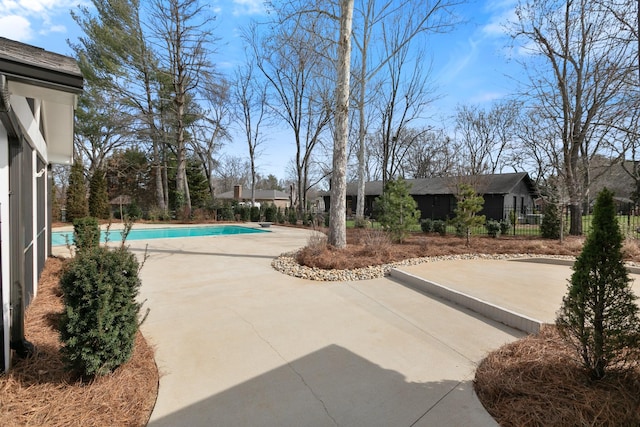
487 309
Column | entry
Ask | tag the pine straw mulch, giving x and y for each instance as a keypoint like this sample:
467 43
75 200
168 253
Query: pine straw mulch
38 391
537 381
366 247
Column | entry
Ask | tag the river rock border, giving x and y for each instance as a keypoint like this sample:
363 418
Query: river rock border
287 264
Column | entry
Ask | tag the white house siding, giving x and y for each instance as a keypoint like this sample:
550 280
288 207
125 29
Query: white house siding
4 240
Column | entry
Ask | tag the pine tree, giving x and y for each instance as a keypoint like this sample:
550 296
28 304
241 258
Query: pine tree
77 206
469 204
551 225
599 316
98 197
397 210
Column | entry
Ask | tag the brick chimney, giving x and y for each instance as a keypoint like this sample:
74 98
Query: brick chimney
237 192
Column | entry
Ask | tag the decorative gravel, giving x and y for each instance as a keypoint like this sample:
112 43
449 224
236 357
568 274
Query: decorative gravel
287 264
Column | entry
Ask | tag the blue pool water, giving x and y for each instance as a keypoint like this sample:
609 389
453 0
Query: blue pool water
59 238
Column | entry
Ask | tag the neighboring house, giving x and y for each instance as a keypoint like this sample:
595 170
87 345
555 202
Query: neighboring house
240 194
436 197
39 91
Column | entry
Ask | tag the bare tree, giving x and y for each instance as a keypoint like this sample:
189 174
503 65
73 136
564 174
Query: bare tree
373 17
337 210
487 137
210 133
403 100
579 64
251 98
293 60
432 154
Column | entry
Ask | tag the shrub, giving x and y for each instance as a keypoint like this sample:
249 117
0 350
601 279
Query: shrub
493 228
226 213
100 317
467 208
280 216
98 197
360 222
86 233
426 225
254 213
397 210
550 228
505 226
440 227
292 216
270 213
599 316
134 211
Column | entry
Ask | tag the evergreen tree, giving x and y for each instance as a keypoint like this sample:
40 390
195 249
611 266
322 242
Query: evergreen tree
469 204
550 228
98 197
599 315
397 210
77 206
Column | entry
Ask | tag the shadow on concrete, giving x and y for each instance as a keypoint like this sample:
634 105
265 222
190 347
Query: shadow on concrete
334 387
183 252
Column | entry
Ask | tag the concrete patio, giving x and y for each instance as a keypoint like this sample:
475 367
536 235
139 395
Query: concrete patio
240 344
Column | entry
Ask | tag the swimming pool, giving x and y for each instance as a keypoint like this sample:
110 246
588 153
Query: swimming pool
59 238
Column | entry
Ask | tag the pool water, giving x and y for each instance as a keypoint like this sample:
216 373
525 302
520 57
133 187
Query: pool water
60 238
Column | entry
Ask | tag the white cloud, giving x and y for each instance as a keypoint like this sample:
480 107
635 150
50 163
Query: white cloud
483 97
33 17
498 22
15 28
248 7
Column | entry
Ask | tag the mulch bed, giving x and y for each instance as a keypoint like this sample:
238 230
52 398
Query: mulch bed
537 381
39 391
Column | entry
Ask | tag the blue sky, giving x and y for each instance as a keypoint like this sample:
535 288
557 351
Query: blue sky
471 65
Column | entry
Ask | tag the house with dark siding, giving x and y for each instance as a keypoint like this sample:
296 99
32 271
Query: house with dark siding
38 94
436 197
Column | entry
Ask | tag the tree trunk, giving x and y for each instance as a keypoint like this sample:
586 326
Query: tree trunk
337 211
575 211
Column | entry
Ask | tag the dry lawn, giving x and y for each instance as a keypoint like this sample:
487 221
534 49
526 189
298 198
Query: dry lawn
38 391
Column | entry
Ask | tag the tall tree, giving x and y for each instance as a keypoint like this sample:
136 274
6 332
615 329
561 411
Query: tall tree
293 59
579 66
98 197
372 18
337 209
115 55
76 205
486 136
184 27
251 98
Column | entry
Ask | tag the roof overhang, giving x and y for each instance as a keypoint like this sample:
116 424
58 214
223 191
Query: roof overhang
56 113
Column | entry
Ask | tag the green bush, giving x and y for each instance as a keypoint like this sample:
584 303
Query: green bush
280 216
440 227
134 211
292 216
493 228
360 222
426 225
254 213
505 227
270 213
225 213
397 211
100 317
86 233
550 228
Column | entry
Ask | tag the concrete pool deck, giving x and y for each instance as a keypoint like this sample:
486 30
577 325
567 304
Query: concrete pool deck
238 343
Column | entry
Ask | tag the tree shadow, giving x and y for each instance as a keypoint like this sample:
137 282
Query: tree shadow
333 386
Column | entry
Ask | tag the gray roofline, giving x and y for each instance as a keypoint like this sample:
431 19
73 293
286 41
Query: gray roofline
29 64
